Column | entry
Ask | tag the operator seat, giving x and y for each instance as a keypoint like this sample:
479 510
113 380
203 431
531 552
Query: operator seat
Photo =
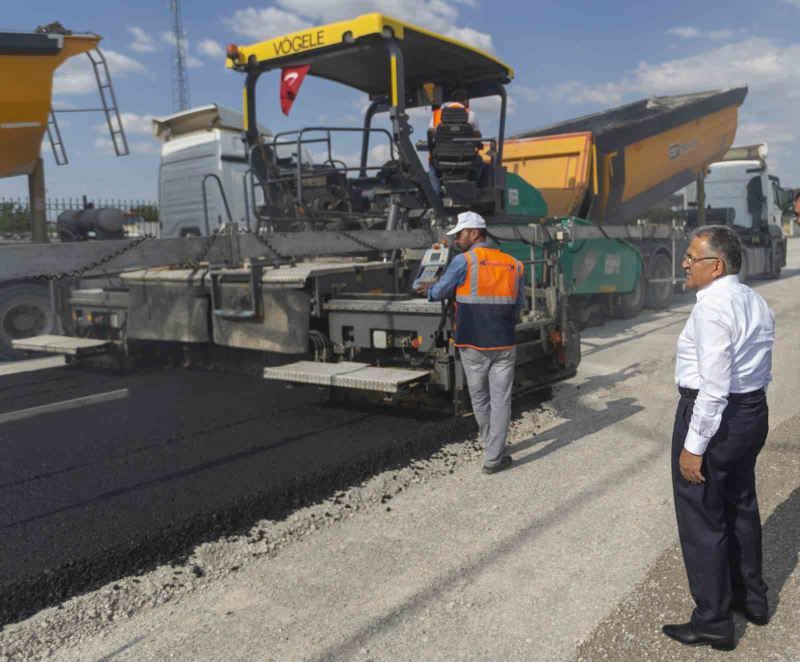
455 146
455 158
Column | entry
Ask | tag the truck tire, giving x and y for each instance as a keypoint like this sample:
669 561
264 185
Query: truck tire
631 304
24 312
744 270
778 260
659 295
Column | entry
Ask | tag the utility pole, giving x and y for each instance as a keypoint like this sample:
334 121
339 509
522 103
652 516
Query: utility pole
180 78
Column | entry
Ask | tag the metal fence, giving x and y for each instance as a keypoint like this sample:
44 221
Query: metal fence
15 213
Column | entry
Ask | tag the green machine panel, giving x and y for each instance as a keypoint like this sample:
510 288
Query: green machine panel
590 266
522 199
599 266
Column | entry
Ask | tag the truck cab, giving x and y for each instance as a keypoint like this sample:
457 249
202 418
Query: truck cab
740 191
197 143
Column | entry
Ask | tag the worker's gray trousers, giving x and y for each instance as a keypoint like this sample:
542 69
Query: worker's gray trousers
490 377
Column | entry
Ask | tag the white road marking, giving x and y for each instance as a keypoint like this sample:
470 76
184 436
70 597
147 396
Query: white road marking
63 405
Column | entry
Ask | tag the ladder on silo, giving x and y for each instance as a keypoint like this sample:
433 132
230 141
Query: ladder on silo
109 101
54 136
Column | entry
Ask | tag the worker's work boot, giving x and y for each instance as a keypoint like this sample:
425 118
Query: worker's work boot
504 463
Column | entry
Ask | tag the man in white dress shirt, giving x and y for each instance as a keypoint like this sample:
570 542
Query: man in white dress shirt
723 366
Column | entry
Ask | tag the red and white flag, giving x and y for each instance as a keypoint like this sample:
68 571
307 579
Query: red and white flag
291 80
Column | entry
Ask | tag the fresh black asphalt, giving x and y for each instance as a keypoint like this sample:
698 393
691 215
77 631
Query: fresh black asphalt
101 490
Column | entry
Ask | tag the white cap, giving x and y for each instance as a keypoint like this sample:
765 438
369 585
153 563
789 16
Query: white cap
467 220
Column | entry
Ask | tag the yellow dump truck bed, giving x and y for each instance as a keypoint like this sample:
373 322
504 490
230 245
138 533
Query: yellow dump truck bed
612 166
27 64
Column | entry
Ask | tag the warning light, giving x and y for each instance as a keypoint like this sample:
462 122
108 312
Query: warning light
232 51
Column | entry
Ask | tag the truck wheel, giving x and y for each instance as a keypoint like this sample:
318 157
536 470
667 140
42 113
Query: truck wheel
777 263
631 304
659 295
744 270
24 312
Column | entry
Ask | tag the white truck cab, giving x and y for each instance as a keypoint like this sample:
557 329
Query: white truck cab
740 191
195 143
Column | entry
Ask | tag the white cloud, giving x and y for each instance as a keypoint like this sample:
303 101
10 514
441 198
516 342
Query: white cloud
690 32
472 37
210 48
143 41
75 76
577 92
191 61
774 134
133 123
140 147
760 63
104 146
291 15
380 154
720 35
765 66
684 32
263 24
488 108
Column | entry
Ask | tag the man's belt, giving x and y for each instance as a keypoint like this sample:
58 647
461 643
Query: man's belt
691 393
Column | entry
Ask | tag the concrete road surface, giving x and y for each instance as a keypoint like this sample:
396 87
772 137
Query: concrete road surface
570 554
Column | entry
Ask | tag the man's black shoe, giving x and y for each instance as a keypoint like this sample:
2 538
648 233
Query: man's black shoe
753 617
505 463
686 634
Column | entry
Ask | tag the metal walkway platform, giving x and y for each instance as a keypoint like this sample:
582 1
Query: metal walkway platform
347 374
62 345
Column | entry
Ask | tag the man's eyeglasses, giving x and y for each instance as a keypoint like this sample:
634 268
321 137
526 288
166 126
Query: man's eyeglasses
688 259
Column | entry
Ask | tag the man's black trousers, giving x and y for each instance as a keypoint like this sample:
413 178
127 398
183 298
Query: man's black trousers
718 521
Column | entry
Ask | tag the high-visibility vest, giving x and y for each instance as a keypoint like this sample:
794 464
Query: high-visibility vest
486 302
437 113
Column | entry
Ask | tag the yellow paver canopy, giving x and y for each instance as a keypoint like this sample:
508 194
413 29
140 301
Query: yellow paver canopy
354 53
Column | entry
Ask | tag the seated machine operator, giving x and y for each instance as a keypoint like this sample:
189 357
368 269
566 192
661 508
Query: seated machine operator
459 100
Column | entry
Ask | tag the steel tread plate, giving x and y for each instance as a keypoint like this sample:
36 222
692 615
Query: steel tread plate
346 374
60 344
386 306
165 274
301 272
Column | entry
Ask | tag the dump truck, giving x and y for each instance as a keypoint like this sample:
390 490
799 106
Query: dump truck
27 64
607 169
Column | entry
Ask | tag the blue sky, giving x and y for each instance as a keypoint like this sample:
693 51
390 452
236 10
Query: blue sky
570 58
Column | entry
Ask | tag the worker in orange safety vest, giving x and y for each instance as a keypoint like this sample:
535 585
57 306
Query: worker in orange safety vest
488 287
459 100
